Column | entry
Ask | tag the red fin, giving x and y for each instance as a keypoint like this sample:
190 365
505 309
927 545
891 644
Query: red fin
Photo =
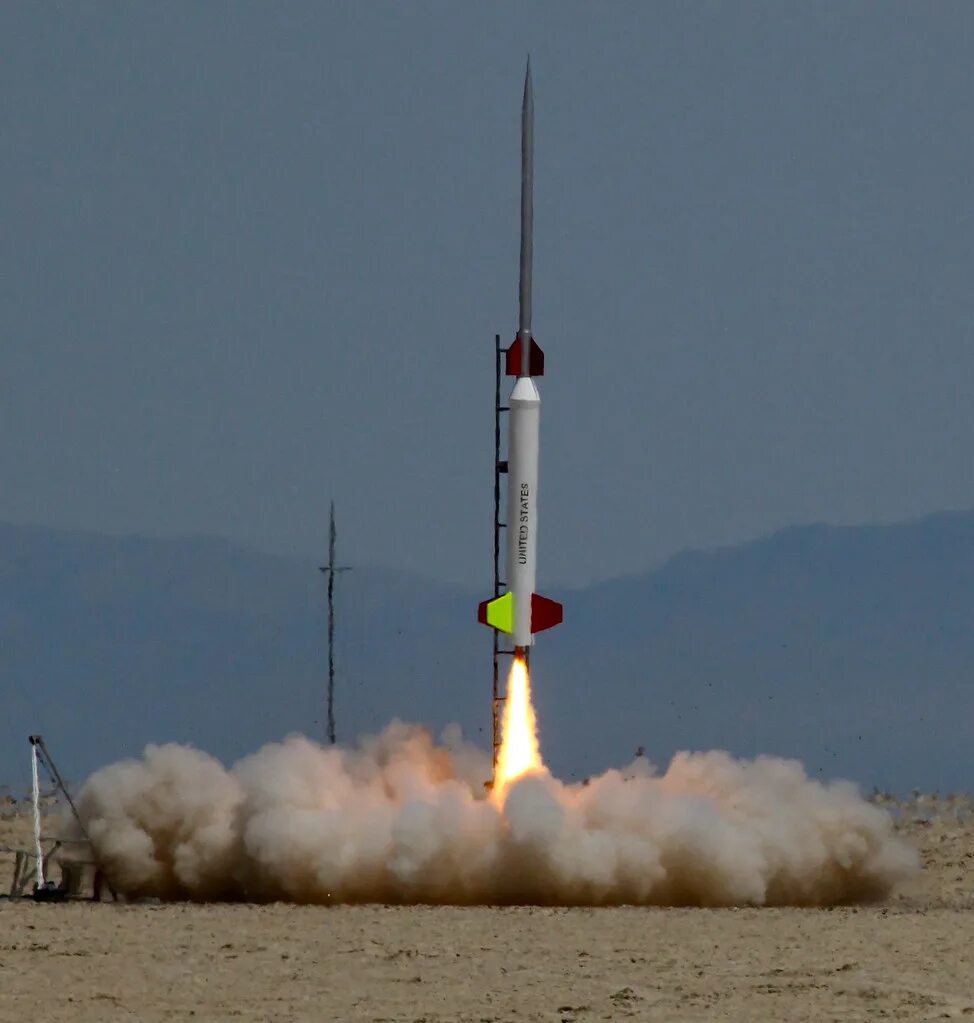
535 359
545 613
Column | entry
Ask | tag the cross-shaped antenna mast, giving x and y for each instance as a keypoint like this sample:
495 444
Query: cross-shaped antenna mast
331 570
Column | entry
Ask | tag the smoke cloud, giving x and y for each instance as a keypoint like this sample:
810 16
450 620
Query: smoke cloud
401 819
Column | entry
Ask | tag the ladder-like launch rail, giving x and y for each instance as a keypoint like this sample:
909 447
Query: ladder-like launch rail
500 469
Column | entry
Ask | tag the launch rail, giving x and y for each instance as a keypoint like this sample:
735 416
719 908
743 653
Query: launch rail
500 469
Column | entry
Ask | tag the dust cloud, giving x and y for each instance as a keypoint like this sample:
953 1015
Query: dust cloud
400 818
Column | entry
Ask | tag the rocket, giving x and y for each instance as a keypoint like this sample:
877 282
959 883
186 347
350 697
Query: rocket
520 612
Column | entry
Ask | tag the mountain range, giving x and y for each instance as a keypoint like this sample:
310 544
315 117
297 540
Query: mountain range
850 648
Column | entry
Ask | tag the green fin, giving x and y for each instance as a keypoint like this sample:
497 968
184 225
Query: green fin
500 613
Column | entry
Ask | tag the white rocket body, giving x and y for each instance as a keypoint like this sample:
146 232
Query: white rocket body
522 504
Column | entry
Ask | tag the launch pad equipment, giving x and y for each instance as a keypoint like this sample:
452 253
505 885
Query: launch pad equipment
31 865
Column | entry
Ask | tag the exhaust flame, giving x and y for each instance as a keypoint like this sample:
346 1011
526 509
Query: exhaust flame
520 753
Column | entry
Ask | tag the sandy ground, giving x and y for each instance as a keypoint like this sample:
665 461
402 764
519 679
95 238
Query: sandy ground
911 958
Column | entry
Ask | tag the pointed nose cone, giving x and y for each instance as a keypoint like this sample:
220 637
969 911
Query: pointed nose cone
527 217
527 118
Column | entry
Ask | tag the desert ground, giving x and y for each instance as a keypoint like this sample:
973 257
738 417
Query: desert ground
909 958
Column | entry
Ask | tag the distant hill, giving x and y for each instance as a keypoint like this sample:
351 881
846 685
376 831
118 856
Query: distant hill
850 648
107 643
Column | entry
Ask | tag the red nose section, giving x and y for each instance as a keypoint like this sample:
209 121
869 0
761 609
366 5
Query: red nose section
535 359
545 613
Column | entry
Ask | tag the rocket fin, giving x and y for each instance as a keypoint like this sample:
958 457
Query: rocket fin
497 613
545 613
535 359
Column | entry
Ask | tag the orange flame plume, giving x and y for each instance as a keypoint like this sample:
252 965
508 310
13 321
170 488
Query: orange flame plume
519 752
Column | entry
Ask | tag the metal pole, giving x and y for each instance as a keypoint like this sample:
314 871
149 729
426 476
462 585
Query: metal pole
331 626
36 798
331 570
495 740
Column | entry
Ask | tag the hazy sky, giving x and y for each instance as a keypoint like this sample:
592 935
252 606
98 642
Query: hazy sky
253 257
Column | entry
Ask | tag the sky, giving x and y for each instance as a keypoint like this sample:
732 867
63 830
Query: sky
254 256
